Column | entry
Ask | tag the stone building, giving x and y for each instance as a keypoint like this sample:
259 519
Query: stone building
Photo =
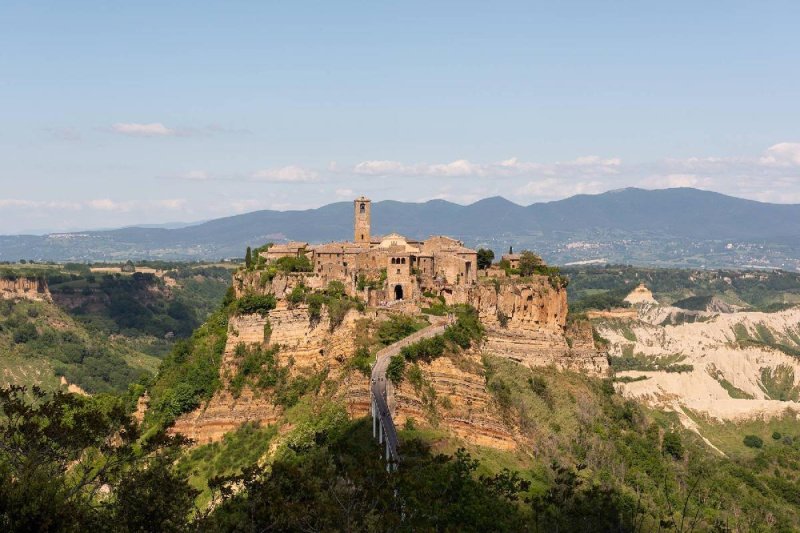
388 268
512 259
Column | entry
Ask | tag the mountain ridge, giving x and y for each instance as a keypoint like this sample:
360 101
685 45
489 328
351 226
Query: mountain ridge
662 215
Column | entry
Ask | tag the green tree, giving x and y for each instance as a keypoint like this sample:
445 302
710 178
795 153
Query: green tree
396 368
128 267
57 451
672 444
753 441
529 263
248 258
485 258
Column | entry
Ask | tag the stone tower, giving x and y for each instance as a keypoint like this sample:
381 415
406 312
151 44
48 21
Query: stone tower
362 208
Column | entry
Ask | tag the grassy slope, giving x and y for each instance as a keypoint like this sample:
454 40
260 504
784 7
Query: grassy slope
38 341
116 337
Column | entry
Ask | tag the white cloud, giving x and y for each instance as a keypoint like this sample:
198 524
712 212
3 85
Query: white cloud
345 193
106 204
676 180
289 174
154 129
513 167
782 154
461 167
380 168
554 188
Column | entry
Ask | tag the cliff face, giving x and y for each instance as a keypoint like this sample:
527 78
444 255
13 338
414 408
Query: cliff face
453 394
306 347
24 288
526 322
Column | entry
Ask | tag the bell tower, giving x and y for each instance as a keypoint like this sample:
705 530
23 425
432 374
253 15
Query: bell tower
362 208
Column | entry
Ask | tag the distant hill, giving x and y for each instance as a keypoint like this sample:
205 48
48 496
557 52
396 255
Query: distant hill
692 225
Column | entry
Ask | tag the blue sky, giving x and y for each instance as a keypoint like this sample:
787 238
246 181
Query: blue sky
115 113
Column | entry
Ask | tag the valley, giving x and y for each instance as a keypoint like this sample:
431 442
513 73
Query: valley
625 406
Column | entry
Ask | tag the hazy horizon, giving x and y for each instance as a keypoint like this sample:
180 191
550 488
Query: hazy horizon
185 223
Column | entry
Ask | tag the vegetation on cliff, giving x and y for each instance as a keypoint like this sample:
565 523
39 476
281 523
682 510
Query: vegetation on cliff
102 331
657 475
190 373
466 331
39 343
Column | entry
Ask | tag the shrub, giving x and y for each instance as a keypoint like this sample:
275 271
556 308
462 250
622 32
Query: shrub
396 328
297 295
335 289
485 258
315 302
362 360
539 386
528 262
255 304
396 368
502 318
776 435
25 332
294 264
414 376
672 445
753 441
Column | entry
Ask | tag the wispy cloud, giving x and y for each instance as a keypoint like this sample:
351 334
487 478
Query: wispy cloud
97 204
153 129
512 167
288 174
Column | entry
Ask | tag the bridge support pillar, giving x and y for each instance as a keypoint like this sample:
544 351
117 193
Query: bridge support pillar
380 433
374 421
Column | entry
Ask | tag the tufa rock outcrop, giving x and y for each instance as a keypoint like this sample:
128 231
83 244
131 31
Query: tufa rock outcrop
24 289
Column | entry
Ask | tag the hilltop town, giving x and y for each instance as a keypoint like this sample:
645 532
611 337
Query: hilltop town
390 269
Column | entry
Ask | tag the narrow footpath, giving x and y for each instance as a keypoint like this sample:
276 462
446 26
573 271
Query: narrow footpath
382 391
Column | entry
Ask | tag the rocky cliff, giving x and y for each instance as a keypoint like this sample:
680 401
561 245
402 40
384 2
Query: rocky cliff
306 347
24 288
452 395
526 321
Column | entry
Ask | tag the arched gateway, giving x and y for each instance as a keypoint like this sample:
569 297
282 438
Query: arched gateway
398 292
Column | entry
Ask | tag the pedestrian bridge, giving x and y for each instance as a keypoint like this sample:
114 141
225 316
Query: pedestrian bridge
382 392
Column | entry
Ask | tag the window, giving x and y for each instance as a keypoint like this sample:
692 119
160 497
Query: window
403 261
363 209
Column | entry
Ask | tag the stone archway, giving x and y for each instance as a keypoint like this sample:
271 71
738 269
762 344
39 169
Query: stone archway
398 292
